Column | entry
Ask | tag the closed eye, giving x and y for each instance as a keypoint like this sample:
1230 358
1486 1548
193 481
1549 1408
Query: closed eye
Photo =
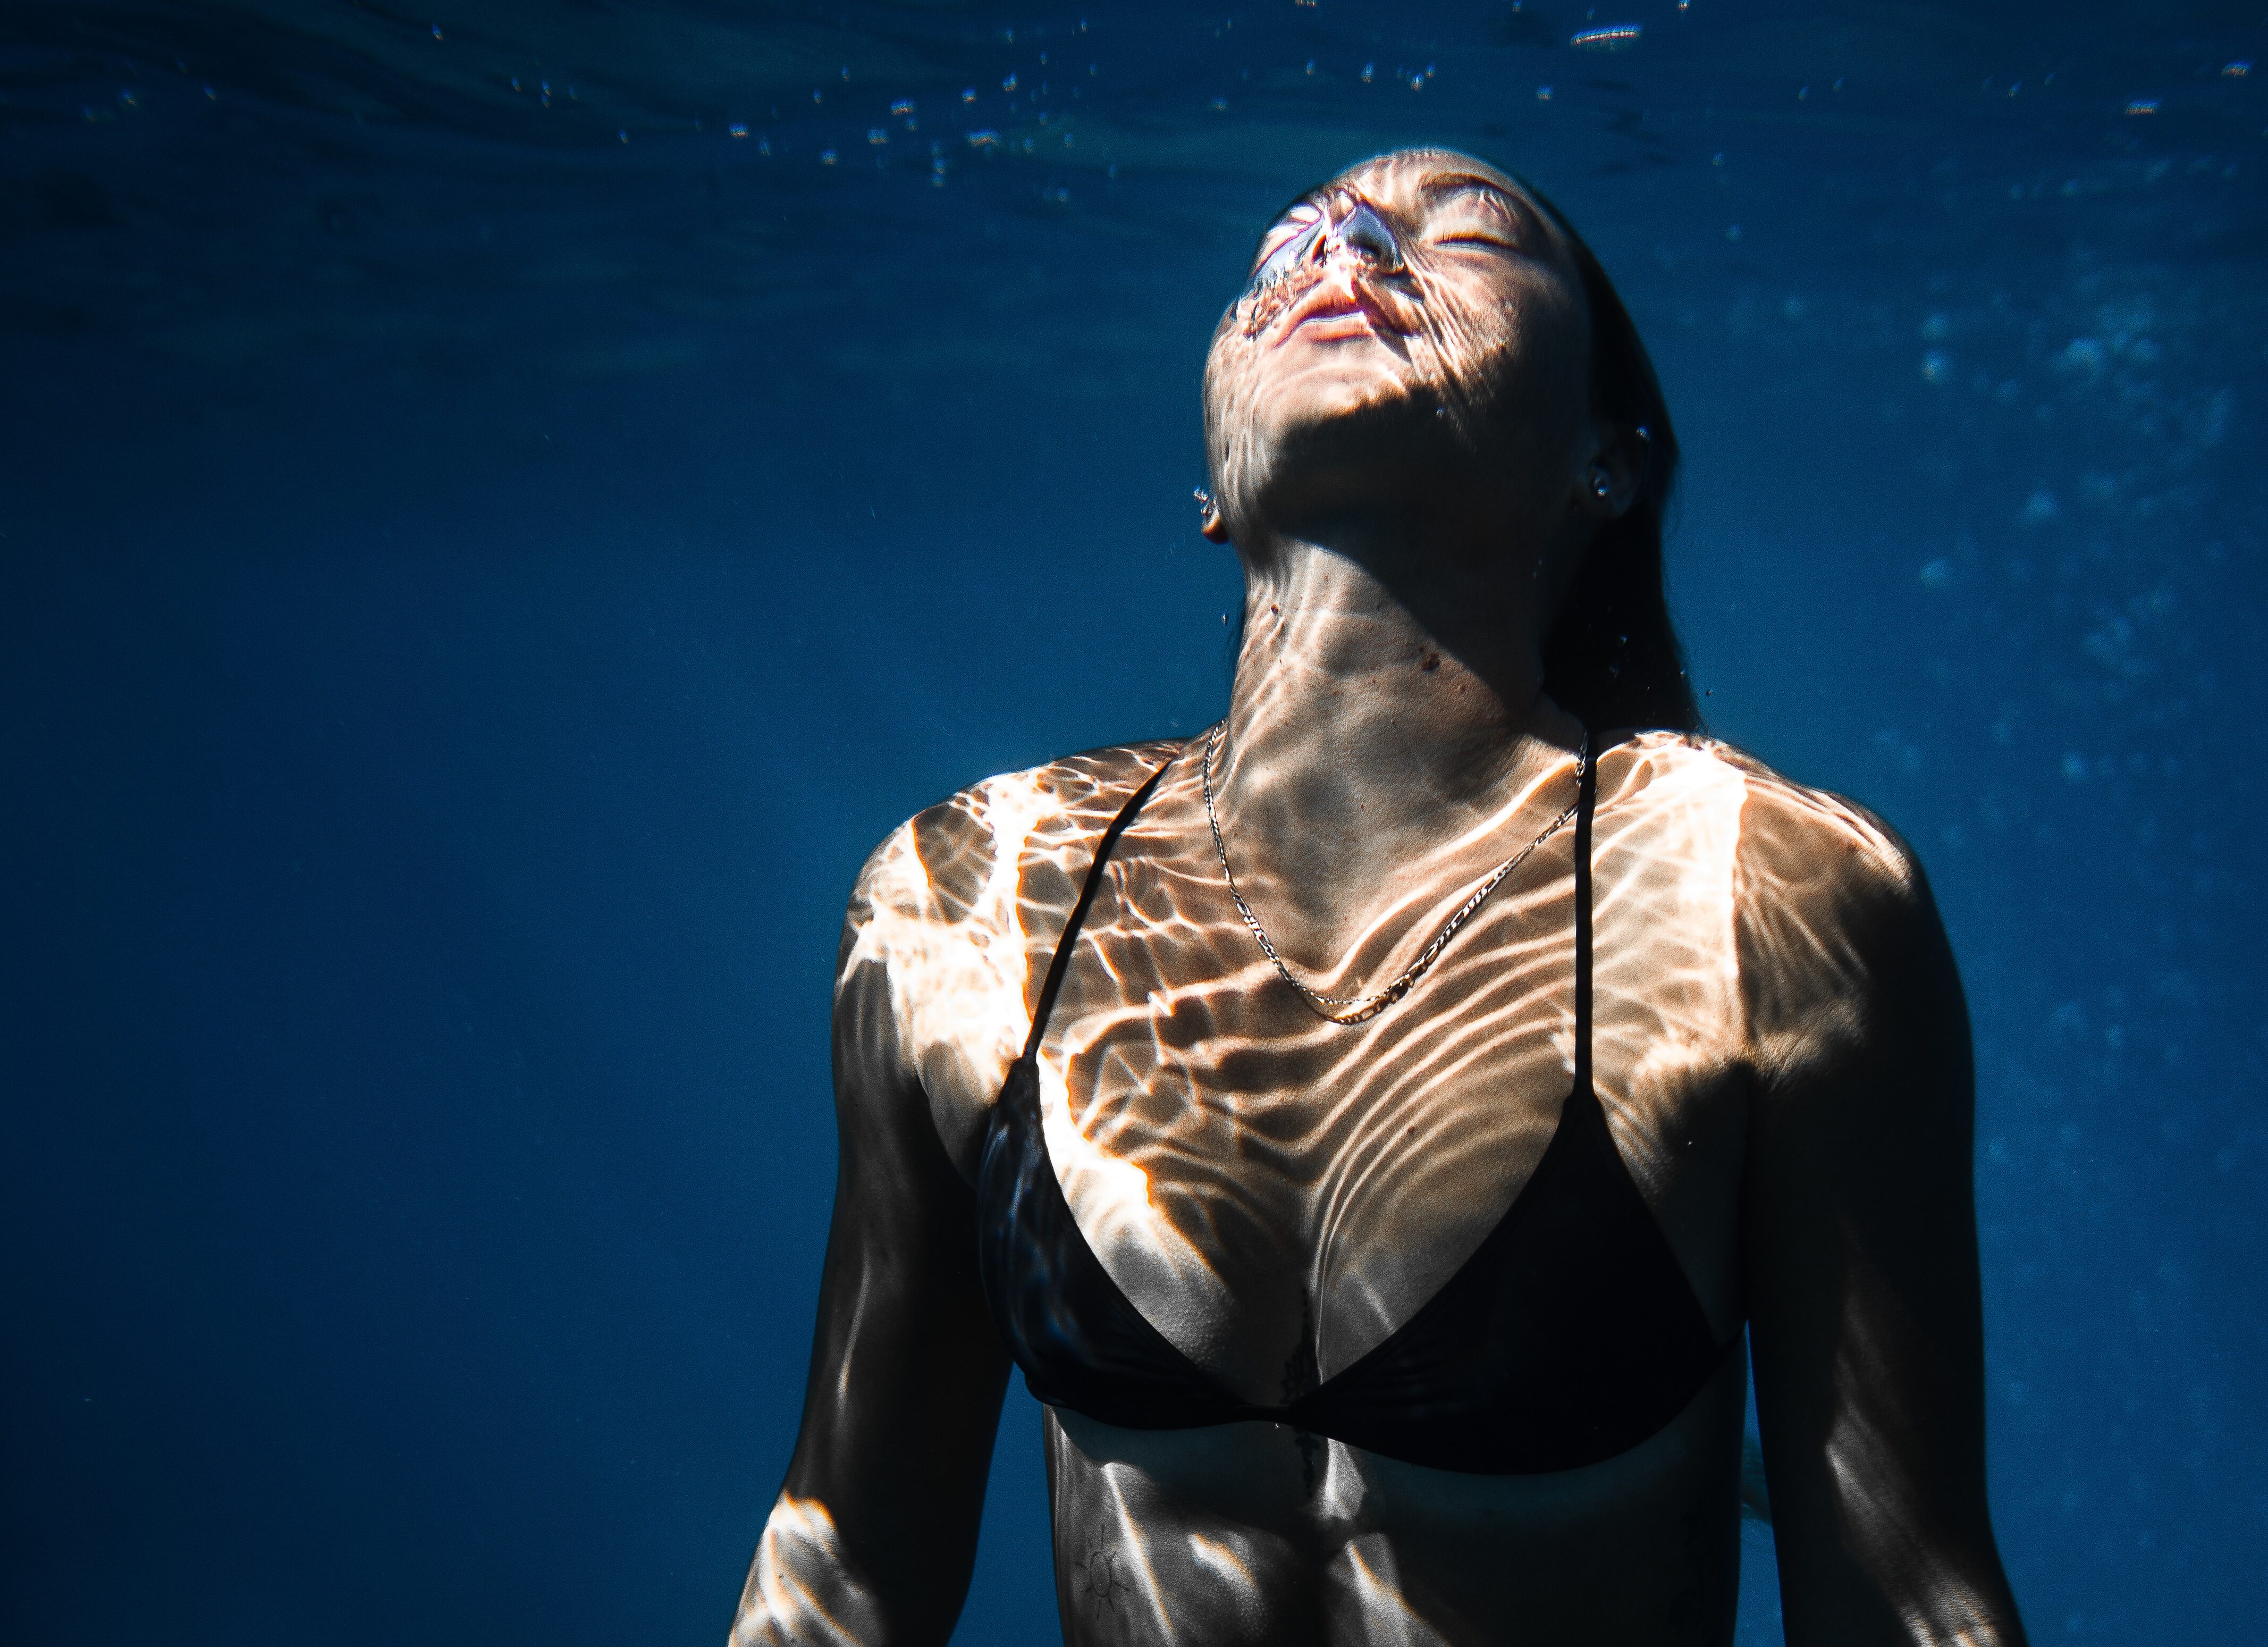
1283 245
1477 213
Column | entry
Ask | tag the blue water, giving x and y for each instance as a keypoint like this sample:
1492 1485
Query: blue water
478 571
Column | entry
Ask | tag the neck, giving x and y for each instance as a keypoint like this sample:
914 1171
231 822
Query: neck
1378 731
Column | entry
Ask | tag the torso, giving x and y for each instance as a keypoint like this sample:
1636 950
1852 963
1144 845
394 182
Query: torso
1278 1194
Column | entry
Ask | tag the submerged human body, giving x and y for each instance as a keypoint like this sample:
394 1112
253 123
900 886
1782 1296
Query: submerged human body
1413 466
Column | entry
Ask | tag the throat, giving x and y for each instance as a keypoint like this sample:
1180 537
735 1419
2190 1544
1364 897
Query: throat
1355 810
1364 722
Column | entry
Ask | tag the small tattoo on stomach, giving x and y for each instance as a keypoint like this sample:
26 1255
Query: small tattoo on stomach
1097 1581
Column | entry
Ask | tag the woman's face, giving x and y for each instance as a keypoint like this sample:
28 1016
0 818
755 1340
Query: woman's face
1418 320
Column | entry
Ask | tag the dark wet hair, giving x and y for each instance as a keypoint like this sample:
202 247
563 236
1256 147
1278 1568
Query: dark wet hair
1612 658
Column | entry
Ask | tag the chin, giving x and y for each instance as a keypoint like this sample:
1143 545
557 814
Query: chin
1317 424
1335 392
1338 440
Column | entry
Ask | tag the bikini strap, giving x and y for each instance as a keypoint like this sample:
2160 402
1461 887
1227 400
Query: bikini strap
1586 799
1087 891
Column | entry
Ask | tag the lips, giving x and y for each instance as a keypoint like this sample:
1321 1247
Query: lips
1335 308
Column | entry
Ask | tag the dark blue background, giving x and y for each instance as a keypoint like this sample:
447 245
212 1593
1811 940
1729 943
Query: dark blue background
477 577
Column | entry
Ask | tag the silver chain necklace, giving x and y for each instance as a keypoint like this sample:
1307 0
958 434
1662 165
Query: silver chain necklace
1332 1008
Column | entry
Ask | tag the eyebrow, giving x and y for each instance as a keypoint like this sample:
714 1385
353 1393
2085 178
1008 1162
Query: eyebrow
1451 182
1533 218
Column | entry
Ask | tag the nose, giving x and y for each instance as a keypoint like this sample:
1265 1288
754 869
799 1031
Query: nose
1361 230
1348 226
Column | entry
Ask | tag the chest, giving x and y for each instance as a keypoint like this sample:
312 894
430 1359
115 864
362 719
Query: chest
1277 1194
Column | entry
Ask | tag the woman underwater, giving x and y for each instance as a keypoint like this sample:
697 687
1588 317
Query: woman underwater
1372 1125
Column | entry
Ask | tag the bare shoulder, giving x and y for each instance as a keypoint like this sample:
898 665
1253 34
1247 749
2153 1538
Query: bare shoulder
961 863
1859 1228
947 913
1802 833
1833 916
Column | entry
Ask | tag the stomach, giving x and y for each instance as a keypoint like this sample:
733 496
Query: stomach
1246 1534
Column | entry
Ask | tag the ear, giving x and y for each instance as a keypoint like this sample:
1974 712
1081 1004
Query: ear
1210 523
1609 480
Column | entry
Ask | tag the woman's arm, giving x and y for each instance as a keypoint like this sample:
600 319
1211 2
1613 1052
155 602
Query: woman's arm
874 1532
1861 1241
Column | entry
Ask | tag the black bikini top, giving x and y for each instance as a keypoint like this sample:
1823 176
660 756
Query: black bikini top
1570 1334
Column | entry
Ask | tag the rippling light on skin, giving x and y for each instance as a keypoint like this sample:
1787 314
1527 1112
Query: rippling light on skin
958 969
1108 1194
1212 1139
1882 1503
1223 1562
850 1339
1156 1165
1344 1486
1365 1568
1132 1544
1667 861
1365 1147
800 1589
957 976
1138 1241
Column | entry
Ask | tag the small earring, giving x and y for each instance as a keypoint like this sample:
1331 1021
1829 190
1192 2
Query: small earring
1204 501
1603 484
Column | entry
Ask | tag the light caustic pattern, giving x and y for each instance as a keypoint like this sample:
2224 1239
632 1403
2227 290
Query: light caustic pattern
1276 1194
800 1589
